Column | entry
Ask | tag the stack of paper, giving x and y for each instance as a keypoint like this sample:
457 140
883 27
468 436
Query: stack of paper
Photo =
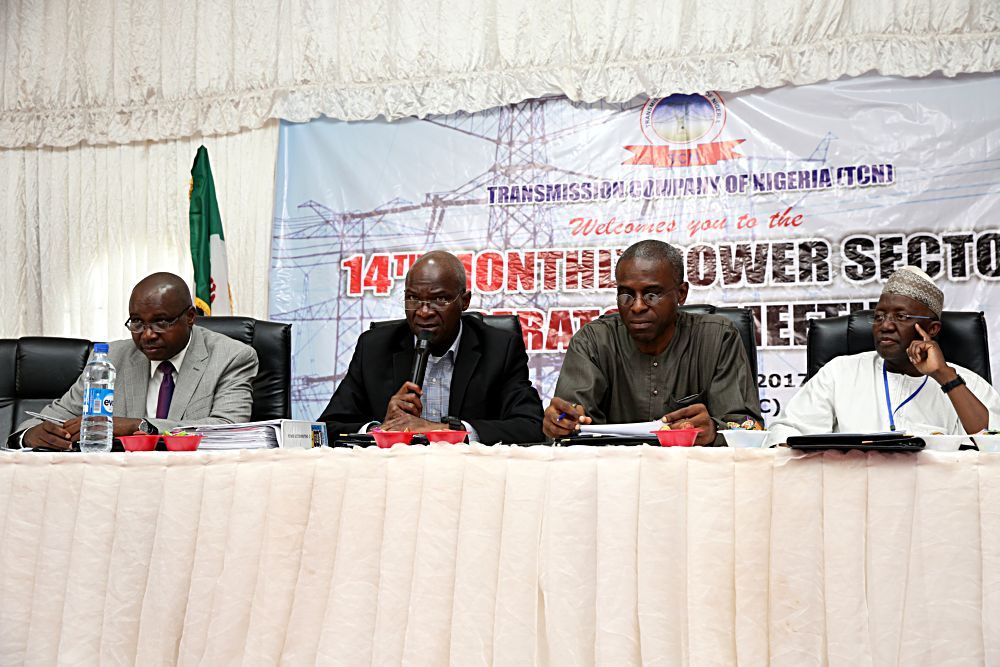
249 435
637 429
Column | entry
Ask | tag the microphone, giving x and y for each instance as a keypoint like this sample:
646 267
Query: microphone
422 350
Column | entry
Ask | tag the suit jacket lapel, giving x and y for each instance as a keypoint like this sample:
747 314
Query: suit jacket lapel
469 353
135 382
189 375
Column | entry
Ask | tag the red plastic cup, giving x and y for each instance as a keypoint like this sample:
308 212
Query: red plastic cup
386 439
677 437
446 435
181 443
139 443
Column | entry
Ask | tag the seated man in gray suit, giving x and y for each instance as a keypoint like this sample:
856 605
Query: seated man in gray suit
170 373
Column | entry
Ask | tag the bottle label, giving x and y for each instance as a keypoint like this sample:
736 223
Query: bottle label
98 401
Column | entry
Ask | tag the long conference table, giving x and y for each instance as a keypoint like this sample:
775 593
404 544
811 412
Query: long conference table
473 555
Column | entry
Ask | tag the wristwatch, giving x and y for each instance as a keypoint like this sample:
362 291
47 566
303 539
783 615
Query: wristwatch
957 382
147 428
453 423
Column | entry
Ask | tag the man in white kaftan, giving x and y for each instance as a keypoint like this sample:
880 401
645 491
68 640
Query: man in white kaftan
905 385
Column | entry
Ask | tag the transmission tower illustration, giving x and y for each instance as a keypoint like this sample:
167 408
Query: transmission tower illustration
313 244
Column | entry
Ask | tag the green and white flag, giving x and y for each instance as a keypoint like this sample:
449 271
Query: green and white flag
208 244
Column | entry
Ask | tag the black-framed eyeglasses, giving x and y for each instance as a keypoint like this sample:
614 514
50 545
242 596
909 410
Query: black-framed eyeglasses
898 318
156 326
437 303
626 299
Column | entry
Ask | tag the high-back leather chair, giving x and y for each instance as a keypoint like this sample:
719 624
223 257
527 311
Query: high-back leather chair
963 339
272 388
36 370
508 323
742 319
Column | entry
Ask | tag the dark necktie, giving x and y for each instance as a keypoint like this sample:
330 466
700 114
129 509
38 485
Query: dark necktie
166 389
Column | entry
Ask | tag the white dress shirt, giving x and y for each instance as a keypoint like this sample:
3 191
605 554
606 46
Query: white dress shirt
156 379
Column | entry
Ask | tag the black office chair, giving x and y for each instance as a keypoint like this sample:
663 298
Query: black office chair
742 319
272 388
508 323
963 339
34 371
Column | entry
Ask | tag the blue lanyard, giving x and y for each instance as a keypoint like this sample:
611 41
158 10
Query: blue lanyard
888 401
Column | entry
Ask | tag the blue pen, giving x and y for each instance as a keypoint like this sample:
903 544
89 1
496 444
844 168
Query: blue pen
563 415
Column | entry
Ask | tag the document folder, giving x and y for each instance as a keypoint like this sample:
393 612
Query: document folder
868 442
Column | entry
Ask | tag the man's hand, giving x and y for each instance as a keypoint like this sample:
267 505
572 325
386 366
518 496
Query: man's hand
563 418
927 358
406 401
48 435
72 426
406 422
697 416
125 426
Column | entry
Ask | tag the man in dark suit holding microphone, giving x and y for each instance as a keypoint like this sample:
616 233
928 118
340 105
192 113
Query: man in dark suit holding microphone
475 377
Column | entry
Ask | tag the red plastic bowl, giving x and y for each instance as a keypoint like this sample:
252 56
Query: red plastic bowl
181 443
139 443
445 435
677 437
386 439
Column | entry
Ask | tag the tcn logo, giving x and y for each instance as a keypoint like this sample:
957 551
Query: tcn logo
690 122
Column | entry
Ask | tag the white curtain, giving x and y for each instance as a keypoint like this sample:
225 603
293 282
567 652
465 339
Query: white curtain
80 226
106 71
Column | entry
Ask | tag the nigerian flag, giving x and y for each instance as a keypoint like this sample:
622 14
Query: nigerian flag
208 245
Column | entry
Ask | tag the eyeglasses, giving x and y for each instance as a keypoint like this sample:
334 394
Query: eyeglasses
438 303
898 318
626 299
156 326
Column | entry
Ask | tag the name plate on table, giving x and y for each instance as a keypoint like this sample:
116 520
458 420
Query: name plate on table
298 434
867 442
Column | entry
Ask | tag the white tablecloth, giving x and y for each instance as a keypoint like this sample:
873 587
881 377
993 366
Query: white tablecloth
511 556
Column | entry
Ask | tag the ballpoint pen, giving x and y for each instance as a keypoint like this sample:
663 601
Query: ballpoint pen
38 415
564 414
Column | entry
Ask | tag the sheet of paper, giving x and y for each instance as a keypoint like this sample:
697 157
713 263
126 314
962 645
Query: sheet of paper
636 429
205 428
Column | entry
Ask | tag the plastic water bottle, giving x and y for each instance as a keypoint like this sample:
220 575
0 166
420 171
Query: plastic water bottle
96 427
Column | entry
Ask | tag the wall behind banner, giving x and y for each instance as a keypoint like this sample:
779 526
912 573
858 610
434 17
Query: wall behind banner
797 202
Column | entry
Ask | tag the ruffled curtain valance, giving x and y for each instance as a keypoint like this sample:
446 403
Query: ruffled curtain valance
103 71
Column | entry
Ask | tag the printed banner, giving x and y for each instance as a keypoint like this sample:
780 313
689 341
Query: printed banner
797 203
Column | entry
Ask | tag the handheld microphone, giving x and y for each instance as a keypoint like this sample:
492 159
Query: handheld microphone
422 351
